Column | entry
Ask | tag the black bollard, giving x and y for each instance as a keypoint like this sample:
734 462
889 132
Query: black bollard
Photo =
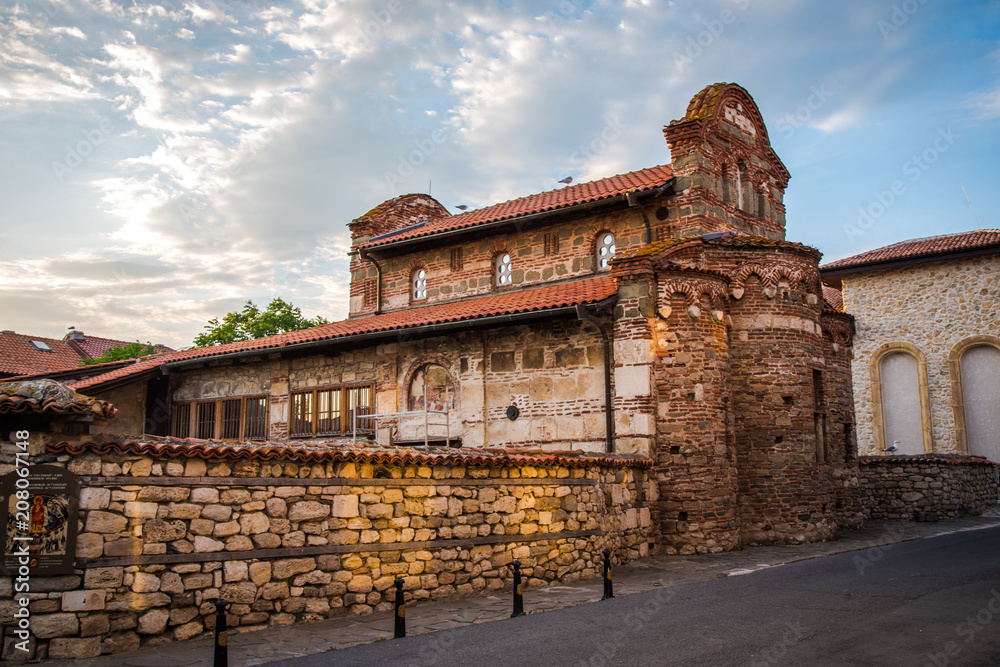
609 590
518 591
399 629
221 636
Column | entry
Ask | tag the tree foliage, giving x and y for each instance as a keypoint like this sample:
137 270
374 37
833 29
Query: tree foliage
279 317
122 353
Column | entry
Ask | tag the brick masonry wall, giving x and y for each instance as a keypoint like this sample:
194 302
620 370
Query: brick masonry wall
294 542
534 259
933 306
913 487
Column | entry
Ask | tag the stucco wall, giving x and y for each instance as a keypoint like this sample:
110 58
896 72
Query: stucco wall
932 306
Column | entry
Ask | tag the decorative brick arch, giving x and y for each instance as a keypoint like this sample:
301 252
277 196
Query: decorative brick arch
422 363
693 290
957 394
876 380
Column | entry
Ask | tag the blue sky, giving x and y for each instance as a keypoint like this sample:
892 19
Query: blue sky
163 163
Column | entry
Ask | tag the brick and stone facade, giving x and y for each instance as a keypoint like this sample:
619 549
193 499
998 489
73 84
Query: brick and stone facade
705 345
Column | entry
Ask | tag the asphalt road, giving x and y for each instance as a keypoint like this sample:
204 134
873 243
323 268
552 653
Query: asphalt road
934 601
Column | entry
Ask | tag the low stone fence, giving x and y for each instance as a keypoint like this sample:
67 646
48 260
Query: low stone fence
295 535
926 486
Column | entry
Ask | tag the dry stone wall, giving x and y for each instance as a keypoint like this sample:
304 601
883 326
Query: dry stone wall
295 541
926 487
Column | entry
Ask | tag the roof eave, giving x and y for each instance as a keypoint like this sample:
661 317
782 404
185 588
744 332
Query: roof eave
521 219
909 261
472 323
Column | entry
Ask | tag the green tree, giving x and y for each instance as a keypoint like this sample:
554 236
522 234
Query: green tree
122 353
279 317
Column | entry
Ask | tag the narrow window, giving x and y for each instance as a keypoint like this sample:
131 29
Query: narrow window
256 418
503 275
206 420
819 416
762 204
605 250
182 420
328 416
551 241
419 285
231 419
360 404
456 260
302 415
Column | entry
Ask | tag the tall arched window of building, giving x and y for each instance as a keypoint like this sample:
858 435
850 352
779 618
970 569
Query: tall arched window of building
605 250
502 269
419 284
975 367
900 401
742 186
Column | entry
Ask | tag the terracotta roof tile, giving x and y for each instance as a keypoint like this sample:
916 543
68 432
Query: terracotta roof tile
49 396
928 247
613 186
833 297
328 452
589 290
19 357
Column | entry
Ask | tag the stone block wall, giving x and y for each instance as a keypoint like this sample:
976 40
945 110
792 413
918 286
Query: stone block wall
933 306
296 536
912 487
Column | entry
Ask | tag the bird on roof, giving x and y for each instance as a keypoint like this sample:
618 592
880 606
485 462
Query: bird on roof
567 180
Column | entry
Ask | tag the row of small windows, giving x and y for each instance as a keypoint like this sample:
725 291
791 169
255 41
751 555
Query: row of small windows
503 266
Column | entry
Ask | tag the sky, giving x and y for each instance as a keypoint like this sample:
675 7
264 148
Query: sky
164 163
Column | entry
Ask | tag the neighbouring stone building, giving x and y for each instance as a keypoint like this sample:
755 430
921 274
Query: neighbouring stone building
650 337
927 348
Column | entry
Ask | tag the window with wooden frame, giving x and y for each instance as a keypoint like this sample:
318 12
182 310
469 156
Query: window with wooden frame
241 418
331 411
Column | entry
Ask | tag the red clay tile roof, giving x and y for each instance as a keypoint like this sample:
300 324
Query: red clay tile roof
19 357
95 347
833 297
928 247
545 297
328 452
613 186
49 396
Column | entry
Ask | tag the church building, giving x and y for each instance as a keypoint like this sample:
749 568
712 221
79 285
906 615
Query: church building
658 314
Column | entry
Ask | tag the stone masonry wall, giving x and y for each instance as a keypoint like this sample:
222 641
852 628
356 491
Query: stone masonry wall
933 306
913 487
295 541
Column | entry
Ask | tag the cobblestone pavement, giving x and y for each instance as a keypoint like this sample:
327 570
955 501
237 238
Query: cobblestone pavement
278 643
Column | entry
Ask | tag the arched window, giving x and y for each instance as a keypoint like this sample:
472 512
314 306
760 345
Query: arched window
975 367
761 203
502 269
899 393
742 187
431 387
419 285
605 250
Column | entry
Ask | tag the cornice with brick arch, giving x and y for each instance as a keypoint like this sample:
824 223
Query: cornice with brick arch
694 287
771 275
